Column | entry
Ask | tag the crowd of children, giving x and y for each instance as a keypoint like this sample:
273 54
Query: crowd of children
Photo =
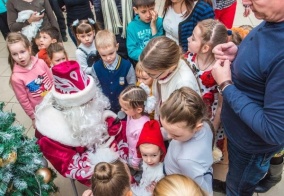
171 99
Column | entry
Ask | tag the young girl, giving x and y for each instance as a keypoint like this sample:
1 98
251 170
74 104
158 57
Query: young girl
86 53
152 149
184 117
31 79
206 35
145 82
161 60
132 100
111 176
177 184
56 54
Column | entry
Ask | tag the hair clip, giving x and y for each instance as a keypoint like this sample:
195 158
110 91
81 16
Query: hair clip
229 32
91 21
75 23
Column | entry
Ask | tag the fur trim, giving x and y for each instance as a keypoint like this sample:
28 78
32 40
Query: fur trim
108 113
51 123
76 99
103 155
217 154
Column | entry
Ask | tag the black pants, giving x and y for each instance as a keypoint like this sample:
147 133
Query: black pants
4 25
59 15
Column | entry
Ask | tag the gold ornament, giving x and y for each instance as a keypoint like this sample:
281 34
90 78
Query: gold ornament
45 173
12 157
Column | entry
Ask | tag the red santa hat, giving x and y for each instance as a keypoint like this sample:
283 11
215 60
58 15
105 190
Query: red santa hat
151 134
72 86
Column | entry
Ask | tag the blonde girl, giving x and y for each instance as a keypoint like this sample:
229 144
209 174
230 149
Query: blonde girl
132 101
161 60
177 184
31 78
86 53
56 54
145 82
206 35
184 117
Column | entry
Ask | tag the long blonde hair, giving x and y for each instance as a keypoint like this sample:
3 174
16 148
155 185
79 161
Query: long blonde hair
12 38
176 185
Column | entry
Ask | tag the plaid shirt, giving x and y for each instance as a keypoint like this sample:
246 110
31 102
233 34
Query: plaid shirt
220 4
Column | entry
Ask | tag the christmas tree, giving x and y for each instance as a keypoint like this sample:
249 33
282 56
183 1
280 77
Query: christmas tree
23 170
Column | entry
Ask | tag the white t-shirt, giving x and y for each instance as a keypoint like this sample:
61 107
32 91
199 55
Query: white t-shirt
171 22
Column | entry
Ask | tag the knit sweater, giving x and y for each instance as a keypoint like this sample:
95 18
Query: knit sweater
253 109
201 11
30 86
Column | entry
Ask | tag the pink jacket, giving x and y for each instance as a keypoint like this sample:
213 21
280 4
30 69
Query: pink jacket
30 86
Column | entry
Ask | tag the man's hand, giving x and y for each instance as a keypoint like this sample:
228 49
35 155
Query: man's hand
226 51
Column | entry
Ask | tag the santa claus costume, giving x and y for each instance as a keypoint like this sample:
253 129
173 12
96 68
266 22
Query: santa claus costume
150 134
72 122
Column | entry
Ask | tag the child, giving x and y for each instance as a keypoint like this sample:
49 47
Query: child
113 72
206 35
31 79
177 184
46 37
56 54
111 179
86 53
151 148
161 60
132 100
111 176
143 27
145 82
184 117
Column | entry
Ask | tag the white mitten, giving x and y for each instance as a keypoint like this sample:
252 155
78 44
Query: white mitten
109 113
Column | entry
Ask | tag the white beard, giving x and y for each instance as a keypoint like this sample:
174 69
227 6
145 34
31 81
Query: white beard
73 126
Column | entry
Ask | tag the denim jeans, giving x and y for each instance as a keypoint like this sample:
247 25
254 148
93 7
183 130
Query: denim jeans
245 171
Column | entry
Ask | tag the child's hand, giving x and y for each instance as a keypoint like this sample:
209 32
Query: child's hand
88 193
150 188
136 168
153 22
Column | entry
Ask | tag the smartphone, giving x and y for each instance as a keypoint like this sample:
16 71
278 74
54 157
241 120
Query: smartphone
41 12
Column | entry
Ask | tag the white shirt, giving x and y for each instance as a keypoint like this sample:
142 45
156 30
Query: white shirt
171 22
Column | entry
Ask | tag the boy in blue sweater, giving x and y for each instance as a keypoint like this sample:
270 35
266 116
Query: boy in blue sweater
112 72
143 27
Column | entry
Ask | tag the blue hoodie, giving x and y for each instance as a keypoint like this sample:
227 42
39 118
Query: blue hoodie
139 34
3 6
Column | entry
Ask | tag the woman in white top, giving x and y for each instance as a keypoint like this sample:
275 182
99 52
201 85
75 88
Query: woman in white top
181 16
